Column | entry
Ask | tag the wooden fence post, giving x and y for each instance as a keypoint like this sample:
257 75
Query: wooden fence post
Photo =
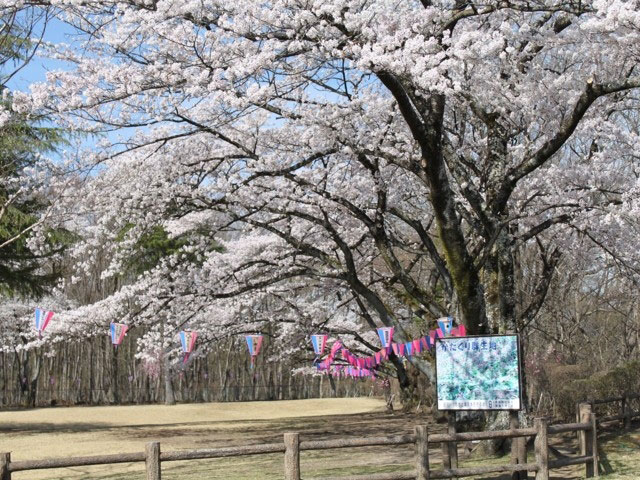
513 424
586 437
542 449
152 461
291 456
518 447
580 433
594 443
5 460
446 450
422 453
453 446
626 412
522 456
446 456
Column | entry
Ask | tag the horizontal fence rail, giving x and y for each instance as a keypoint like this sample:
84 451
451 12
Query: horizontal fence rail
291 447
614 399
627 414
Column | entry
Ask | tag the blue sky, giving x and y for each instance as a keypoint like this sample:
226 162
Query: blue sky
55 32
35 71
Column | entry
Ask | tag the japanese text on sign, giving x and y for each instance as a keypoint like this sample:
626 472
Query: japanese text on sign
478 373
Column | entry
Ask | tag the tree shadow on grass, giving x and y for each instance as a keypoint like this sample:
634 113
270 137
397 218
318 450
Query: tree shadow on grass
31 428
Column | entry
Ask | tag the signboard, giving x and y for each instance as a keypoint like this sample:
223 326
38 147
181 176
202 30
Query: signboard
478 373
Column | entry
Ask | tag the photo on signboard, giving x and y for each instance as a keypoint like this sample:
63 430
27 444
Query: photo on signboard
478 373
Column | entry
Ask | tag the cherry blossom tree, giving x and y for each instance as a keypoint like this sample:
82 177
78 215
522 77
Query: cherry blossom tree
359 162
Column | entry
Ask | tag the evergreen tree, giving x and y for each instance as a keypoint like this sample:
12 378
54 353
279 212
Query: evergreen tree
23 143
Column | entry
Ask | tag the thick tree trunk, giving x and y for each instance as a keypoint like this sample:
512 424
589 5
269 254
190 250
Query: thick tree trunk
494 421
99 375
115 384
499 287
33 382
409 394
332 383
169 397
424 117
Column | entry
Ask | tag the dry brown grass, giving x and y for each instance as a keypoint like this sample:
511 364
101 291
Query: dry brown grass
79 431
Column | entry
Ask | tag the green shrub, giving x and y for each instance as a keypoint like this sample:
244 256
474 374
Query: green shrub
571 384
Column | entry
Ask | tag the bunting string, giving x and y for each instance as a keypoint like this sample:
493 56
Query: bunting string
363 366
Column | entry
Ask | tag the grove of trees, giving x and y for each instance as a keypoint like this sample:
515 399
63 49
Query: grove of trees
296 166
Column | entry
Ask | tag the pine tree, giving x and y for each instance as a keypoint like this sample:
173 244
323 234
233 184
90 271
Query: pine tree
23 143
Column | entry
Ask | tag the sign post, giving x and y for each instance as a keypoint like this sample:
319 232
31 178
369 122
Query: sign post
478 373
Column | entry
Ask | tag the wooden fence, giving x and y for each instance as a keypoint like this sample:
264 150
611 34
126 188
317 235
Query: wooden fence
627 414
421 439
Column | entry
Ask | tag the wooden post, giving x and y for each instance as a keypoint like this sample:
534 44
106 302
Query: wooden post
453 446
5 460
579 432
152 462
626 411
594 434
446 456
422 453
542 449
518 447
522 456
291 456
513 425
586 437
579 418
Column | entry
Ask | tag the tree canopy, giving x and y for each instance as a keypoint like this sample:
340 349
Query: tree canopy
360 162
